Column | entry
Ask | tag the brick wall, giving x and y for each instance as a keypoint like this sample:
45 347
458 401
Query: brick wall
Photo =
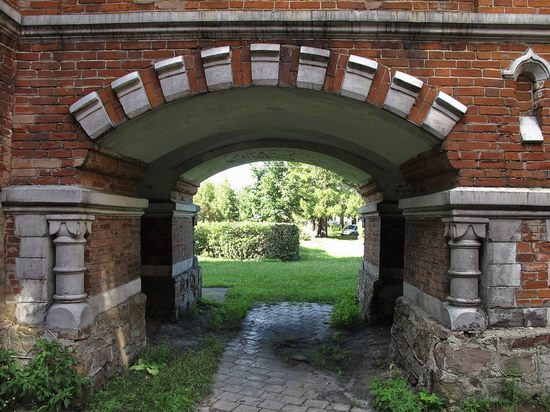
372 240
427 256
182 238
7 88
513 6
112 253
533 253
485 146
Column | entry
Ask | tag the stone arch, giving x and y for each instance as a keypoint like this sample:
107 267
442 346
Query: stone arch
189 110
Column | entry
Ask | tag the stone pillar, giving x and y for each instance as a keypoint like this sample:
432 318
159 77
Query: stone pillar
463 303
70 309
171 276
381 276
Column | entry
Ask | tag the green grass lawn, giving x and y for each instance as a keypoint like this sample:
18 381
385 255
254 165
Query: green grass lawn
326 271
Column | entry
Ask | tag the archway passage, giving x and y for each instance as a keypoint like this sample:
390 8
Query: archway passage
166 128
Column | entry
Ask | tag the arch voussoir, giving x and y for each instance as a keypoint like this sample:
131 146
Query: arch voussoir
261 64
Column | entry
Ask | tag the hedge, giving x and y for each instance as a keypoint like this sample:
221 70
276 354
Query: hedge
248 240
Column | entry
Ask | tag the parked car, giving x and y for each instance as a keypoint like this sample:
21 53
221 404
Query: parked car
350 230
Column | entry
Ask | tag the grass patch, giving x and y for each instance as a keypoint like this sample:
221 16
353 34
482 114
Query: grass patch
317 277
184 378
346 313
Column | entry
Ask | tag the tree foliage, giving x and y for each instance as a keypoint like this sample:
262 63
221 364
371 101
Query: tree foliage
284 192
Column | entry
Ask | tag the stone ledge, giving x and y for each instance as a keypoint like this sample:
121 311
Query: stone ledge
20 198
480 198
295 24
113 297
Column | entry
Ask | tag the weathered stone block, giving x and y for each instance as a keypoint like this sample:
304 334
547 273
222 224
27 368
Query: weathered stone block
504 230
530 130
504 274
358 77
535 317
402 94
505 318
36 247
312 68
31 313
33 268
34 291
132 95
502 252
217 68
91 114
31 226
443 115
501 297
462 360
173 78
264 60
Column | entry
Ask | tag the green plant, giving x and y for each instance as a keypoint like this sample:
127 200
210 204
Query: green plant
346 313
10 384
476 404
393 395
248 240
50 380
396 395
150 367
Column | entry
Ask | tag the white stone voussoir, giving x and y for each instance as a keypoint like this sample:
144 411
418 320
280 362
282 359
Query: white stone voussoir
358 77
443 115
312 68
217 68
91 114
173 78
402 94
131 93
264 60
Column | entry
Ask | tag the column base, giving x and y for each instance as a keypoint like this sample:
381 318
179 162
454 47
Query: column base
70 316
464 318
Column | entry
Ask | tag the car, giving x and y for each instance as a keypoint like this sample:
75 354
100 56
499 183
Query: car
350 230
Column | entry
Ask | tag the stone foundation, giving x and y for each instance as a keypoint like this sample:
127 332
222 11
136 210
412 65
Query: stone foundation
188 288
458 363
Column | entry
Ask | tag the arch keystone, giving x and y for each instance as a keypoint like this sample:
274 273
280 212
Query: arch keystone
530 65
131 94
173 78
264 59
402 94
358 77
90 112
444 113
217 68
312 68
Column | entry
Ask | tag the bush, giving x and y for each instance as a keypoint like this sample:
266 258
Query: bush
49 382
247 240
346 313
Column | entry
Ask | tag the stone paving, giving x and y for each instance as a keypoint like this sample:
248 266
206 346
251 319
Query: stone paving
252 378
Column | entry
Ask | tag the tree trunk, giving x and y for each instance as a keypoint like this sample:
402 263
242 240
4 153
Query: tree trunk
342 221
322 227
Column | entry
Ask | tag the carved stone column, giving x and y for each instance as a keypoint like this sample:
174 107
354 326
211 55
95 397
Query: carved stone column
463 303
70 309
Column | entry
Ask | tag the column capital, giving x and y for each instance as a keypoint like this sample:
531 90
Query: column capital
457 227
74 225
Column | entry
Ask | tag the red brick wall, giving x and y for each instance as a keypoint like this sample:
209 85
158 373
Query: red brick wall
112 253
372 240
182 238
7 88
533 253
513 6
485 145
427 256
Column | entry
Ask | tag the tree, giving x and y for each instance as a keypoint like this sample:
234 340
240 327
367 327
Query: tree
217 202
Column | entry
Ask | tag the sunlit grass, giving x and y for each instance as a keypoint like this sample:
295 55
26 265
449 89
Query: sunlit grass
318 276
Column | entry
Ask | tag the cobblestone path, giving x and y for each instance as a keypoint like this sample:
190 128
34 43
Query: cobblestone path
252 378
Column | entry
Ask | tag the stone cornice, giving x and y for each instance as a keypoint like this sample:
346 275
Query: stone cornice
229 24
482 201
68 199
10 20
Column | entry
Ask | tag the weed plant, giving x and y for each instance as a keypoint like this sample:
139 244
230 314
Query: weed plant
396 395
347 314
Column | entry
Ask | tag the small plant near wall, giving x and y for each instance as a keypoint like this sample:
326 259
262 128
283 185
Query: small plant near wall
346 313
396 395
49 382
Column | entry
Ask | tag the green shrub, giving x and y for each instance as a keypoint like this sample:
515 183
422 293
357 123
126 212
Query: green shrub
248 240
346 313
396 395
49 382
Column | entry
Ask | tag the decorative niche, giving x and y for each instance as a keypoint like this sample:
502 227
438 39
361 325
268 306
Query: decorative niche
529 71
